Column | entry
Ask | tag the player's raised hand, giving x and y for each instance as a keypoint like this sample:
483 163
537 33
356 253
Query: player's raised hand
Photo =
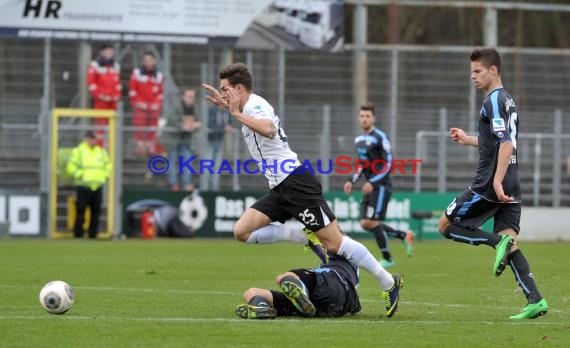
233 101
215 97
458 135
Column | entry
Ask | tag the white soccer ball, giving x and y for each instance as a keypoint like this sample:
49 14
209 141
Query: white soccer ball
56 297
193 211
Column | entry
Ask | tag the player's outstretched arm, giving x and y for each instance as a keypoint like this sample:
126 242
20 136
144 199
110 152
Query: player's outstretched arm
215 97
460 137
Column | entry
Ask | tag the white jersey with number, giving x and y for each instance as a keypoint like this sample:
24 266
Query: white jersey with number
280 159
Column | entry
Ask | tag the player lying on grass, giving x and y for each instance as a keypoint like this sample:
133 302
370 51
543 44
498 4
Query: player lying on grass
326 291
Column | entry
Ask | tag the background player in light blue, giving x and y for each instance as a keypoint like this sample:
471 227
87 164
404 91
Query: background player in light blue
372 145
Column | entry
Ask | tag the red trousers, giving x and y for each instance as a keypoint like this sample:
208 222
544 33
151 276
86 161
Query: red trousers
146 118
101 121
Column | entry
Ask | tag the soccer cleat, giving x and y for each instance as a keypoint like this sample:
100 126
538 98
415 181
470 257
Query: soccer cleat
502 253
296 292
385 263
392 296
316 246
247 311
532 311
409 243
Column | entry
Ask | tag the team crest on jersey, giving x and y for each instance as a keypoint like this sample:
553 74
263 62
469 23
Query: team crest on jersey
498 124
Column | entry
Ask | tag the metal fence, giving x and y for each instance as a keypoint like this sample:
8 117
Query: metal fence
300 85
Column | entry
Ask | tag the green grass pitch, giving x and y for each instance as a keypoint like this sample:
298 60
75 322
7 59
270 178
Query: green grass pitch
181 293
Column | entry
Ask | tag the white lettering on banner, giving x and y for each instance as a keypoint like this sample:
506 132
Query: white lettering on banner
232 208
340 208
398 209
24 215
2 208
345 209
221 225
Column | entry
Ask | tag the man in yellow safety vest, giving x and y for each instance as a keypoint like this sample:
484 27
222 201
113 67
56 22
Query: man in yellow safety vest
89 165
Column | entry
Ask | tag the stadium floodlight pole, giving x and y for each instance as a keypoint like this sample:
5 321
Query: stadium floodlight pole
442 152
325 144
118 172
360 61
203 135
281 66
45 132
556 158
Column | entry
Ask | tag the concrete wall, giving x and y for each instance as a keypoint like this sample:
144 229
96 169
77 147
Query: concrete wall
545 224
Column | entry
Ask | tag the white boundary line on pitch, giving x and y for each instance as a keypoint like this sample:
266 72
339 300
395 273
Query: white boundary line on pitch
281 320
233 293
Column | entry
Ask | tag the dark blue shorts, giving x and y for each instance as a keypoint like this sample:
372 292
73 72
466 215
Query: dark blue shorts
471 210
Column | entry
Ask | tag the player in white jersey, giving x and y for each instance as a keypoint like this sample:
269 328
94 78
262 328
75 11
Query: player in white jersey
295 193
268 151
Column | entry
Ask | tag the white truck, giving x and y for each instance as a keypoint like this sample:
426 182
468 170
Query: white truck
292 20
321 21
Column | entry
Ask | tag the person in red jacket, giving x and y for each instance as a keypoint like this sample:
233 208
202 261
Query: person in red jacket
145 92
104 82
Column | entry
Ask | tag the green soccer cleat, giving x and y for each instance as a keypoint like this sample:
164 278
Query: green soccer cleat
316 246
385 263
296 292
409 243
532 311
502 253
247 311
392 296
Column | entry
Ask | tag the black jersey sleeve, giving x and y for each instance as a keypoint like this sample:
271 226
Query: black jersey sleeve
499 123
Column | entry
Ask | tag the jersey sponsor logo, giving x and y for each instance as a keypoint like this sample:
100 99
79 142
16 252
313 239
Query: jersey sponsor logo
499 125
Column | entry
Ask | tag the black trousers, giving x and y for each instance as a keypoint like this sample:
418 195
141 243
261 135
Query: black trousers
87 198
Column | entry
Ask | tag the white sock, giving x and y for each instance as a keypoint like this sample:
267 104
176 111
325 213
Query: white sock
272 233
358 255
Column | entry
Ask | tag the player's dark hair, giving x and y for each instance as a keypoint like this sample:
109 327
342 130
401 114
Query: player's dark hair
368 107
105 46
488 57
149 53
237 73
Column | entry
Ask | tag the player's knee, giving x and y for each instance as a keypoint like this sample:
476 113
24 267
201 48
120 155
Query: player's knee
250 293
330 236
368 224
240 232
283 275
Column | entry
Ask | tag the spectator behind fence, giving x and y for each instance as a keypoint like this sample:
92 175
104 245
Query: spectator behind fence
219 124
89 165
180 143
104 83
145 93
